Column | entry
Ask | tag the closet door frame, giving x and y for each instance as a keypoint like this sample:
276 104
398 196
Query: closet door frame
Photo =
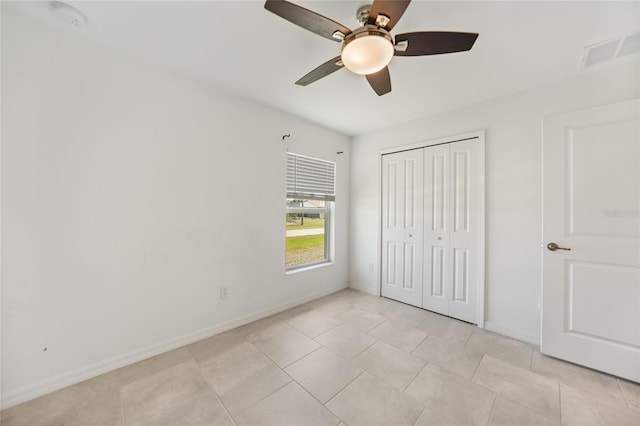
479 136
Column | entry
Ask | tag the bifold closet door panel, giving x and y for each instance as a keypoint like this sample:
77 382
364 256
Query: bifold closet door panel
437 218
465 229
402 226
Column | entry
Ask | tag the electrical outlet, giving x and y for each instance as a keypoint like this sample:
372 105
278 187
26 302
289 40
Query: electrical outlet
224 292
371 267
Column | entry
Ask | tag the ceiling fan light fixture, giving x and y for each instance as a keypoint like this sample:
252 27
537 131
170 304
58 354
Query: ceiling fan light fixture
367 50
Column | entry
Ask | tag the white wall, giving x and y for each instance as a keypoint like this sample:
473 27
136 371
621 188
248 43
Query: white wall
129 197
513 188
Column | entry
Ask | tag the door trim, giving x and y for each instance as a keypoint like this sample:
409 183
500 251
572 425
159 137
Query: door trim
480 136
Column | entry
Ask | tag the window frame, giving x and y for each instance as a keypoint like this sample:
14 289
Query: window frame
328 213
308 179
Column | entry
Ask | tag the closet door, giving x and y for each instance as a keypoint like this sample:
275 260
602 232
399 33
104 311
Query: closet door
466 189
437 259
402 226
452 209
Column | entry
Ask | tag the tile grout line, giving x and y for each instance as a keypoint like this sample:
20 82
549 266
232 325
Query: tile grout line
371 329
365 349
477 368
320 313
414 378
469 338
322 334
299 359
531 361
421 342
420 402
294 361
493 408
278 367
498 393
420 416
218 398
403 328
215 394
378 326
275 390
343 388
334 395
293 380
560 402
267 396
349 360
326 331
624 395
124 418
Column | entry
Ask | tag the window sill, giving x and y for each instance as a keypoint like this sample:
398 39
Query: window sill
309 267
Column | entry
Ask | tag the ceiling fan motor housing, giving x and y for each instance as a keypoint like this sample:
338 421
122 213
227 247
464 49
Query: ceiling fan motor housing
362 15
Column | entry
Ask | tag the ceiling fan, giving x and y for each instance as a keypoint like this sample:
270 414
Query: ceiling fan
368 50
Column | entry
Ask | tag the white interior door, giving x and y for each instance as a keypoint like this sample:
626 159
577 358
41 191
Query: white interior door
402 226
591 293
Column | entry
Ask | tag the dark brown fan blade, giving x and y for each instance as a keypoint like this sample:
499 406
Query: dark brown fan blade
380 81
391 9
434 43
323 70
306 19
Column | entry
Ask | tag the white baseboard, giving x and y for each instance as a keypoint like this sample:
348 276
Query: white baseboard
71 378
363 289
534 340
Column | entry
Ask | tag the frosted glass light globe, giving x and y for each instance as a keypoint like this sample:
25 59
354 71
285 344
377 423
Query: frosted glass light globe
367 54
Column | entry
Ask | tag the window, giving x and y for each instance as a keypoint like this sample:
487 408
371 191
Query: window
310 197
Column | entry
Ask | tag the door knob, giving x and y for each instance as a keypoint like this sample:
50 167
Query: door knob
554 247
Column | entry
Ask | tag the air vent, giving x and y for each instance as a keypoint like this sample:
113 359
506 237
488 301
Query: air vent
609 50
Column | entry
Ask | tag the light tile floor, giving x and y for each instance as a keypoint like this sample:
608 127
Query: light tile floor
346 359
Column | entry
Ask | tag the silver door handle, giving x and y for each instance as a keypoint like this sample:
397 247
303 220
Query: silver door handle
554 247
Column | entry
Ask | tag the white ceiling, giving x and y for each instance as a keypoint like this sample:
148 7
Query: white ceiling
239 47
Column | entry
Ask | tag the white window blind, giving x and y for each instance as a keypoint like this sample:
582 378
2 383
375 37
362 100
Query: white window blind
310 178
